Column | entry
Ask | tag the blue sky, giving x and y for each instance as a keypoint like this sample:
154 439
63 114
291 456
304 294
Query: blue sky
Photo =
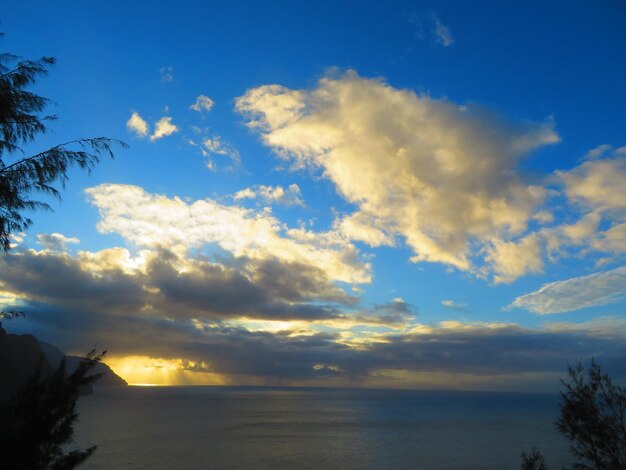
357 179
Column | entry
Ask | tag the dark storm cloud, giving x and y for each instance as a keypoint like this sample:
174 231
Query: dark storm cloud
485 350
394 313
180 309
260 289
282 357
266 289
60 280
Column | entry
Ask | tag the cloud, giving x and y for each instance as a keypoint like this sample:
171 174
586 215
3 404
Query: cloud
393 313
511 260
443 34
161 284
603 327
272 194
150 220
137 125
167 74
454 305
363 227
443 176
577 293
219 317
450 354
163 128
439 33
203 103
598 183
594 191
215 145
55 241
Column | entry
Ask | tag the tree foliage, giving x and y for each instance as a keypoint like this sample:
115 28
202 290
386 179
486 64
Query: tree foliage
37 424
22 119
533 461
592 418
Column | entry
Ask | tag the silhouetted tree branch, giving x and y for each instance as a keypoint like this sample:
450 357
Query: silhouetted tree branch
533 461
38 423
20 122
592 416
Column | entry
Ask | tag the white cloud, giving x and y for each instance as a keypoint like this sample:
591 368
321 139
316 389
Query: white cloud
511 260
598 152
55 241
595 192
442 33
454 305
203 103
441 175
167 74
216 146
137 125
363 227
163 128
598 184
272 194
155 220
574 294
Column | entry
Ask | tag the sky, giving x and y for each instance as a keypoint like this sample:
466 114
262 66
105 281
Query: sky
369 194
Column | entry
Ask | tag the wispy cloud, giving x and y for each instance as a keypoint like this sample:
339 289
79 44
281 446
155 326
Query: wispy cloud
213 145
203 103
454 305
272 194
443 35
167 74
437 32
577 293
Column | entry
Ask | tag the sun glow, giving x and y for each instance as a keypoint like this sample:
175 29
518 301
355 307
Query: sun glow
153 371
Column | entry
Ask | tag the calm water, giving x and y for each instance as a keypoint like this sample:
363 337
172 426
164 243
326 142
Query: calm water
267 428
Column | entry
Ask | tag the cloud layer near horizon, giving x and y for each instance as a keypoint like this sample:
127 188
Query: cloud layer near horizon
272 322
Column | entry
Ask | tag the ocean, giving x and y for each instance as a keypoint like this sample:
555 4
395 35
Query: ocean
271 428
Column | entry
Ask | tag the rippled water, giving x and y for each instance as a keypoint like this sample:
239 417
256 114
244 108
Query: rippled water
268 428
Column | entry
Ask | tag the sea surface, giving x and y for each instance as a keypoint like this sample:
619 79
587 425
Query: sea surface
272 428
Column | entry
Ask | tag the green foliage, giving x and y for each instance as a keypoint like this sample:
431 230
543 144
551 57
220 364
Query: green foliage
37 424
592 418
21 120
